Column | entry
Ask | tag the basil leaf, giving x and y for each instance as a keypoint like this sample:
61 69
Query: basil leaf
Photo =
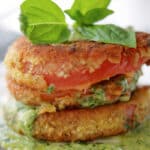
43 22
96 15
90 11
91 16
106 34
85 6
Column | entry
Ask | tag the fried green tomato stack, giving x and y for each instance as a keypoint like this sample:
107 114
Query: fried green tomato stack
77 91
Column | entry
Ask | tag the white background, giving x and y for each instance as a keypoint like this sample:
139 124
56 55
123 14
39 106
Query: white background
127 12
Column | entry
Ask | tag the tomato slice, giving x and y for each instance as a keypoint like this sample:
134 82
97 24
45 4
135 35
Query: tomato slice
80 81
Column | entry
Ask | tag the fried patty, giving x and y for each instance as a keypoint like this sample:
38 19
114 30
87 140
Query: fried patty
80 124
36 66
90 124
28 65
118 88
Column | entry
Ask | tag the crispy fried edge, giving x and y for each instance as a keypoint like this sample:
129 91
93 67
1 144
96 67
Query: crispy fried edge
25 59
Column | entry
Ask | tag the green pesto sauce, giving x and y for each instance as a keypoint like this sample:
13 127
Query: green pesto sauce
20 117
138 139
99 96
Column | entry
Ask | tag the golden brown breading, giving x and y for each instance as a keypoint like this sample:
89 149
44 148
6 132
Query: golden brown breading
36 97
32 65
53 59
112 89
90 124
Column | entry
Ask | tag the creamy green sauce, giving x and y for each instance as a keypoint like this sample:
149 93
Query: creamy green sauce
99 96
138 139
21 117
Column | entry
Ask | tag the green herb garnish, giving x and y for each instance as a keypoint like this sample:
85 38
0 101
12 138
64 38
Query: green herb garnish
107 34
43 22
50 89
90 11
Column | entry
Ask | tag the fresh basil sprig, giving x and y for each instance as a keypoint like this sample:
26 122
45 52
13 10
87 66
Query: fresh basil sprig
89 12
43 22
105 33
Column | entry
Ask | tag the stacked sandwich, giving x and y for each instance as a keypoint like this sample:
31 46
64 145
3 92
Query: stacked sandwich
80 89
